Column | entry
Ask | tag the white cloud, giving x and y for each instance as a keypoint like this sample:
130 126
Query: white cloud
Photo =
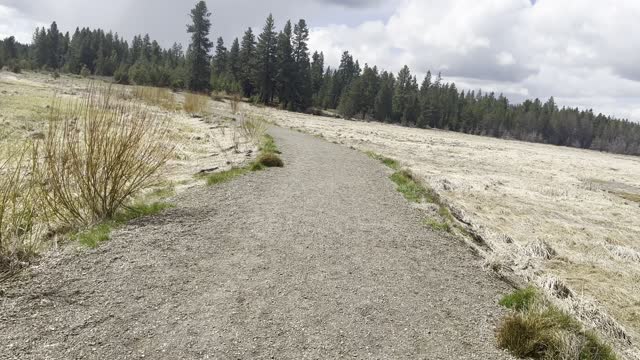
581 51
14 23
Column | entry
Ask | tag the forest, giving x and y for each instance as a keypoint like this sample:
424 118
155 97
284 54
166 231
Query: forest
277 68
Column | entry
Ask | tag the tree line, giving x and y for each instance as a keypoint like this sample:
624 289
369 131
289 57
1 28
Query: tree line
277 68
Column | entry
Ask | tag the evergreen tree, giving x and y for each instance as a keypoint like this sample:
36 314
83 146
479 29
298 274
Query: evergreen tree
220 59
286 66
234 60
266 70
302 77
248 63
199 69
317 75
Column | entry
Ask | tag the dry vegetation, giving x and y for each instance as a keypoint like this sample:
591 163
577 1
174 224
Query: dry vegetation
565 219
97 155
160 97
100 157
196 104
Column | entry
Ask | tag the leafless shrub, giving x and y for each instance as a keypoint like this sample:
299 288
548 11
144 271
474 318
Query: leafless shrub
98 153
195 104
18 203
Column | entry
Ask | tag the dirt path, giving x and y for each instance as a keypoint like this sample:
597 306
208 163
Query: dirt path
321 259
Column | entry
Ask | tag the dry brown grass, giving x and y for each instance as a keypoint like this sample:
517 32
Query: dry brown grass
253 129
160 97
98 153
196 104
235 103
18 203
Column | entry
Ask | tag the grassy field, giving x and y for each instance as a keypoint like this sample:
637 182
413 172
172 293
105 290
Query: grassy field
556 216
200 140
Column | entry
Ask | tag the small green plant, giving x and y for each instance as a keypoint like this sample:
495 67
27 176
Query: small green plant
393 164
408 186
269 145
438 226
520 300
102 232
226 176
537 329
268 158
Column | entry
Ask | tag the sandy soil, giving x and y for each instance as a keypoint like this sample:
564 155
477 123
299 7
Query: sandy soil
319 259
550 213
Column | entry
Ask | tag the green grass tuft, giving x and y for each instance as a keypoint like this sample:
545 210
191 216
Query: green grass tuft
268 145
519 300
225 176
95 236
391 163
409 187
538 330
267 158
100 233
438 226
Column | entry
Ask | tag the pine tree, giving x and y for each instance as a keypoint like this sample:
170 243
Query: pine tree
266 62
54 45
302 79
383 106
286 68
220 59
234 60
317 74
199 69
248 63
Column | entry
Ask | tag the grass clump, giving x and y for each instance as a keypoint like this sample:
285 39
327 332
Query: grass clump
234 102
226 176
100 233
391 163
538 330
520 300
196 104
19 204
253 129
267 158
438 226
160 97
409 187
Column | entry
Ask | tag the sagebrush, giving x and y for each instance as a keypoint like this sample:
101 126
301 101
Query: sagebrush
99 153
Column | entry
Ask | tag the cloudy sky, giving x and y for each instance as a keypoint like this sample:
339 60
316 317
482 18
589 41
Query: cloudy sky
586 53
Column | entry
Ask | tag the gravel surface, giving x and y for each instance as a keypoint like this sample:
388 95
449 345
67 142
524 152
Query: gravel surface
320 259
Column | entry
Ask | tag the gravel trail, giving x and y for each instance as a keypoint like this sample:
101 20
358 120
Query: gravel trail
320 259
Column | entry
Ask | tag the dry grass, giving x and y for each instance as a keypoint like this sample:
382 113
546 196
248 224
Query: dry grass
234 102
253 129
196 104
98 154
18 204
160 97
